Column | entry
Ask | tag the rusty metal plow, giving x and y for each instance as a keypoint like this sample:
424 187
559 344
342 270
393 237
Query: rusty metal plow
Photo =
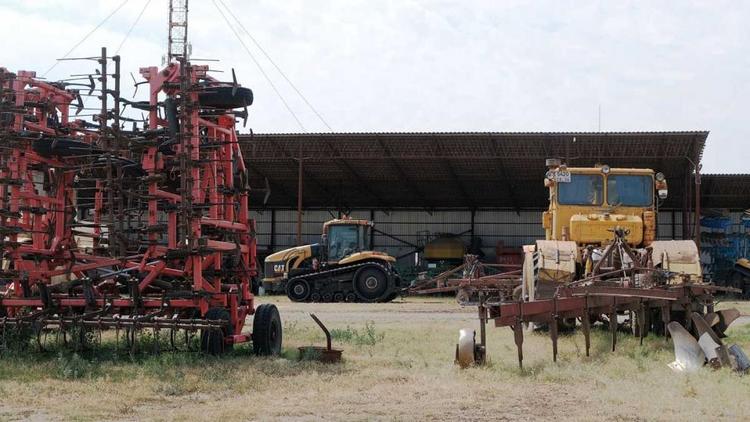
650 310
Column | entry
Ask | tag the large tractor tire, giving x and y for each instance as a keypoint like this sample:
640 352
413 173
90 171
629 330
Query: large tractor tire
370 284
212 341
267 331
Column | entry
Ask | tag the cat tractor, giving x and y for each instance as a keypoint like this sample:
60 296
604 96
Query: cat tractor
341 268
588 206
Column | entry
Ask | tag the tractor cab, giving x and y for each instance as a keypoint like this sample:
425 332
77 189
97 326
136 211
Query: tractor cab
588 203
344 237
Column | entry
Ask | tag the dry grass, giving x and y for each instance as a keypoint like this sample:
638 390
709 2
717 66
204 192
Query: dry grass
400 368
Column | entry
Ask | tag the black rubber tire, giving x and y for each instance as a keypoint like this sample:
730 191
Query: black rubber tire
212 342
298 290
315 297
338 297
351 297
267 329
221 97
63 147
327 297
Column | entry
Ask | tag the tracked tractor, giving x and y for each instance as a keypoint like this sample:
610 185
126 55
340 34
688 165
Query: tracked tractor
341 268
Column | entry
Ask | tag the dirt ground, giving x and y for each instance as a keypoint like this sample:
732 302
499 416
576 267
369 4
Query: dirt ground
398 365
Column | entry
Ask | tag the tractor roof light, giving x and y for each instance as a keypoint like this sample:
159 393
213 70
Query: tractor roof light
659 177
605 169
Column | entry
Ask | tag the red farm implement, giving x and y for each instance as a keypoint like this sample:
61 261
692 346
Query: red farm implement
107 228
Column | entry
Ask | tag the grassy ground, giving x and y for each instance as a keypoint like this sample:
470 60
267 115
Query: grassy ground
398 366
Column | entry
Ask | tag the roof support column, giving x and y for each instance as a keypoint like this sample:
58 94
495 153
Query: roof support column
299 198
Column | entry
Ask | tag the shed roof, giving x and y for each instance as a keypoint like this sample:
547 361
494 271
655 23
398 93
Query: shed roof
451 170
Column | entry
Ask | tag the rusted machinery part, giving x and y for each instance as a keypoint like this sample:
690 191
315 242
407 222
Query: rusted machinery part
582 302
726 318
465 347
324 354
689 356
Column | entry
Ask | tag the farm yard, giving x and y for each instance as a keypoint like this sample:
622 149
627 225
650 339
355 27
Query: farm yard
398 365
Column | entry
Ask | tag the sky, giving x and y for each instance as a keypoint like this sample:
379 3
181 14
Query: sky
436 65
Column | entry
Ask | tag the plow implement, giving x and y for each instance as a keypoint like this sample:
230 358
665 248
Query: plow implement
640 296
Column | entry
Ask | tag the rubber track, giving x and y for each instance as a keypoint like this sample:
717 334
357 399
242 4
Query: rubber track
310 277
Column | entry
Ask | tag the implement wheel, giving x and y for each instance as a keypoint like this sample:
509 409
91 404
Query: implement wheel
298 290
267 330
370 284
212 341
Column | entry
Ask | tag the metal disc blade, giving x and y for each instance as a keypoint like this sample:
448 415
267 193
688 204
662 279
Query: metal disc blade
688 353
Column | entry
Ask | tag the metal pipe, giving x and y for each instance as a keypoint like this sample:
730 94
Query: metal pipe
697 222
299 197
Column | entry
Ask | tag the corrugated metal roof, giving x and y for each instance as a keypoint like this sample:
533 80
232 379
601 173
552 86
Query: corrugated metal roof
725 191
451 169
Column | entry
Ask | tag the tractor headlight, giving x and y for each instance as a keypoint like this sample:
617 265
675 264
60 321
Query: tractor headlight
659 177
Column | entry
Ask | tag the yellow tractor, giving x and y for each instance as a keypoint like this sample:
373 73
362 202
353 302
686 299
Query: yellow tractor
587 207
339 269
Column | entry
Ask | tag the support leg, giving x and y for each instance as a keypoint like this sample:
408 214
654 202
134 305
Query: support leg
553 336
613 323
518 337
586 326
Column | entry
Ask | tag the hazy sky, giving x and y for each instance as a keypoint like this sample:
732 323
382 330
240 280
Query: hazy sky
418 65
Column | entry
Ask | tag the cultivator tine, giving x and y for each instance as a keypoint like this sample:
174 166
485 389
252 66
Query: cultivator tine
665 318
157 349
613 323
642 324
553 327
172 344
586 327
38 330
518 338
553 335
117 338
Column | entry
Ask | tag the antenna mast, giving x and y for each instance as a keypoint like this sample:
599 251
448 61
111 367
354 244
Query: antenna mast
178 29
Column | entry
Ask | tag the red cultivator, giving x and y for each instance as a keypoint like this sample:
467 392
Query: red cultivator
104 228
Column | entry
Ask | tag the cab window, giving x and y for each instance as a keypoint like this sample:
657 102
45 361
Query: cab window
583 189
630 190
343 240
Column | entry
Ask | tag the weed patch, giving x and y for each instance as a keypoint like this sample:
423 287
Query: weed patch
369 336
